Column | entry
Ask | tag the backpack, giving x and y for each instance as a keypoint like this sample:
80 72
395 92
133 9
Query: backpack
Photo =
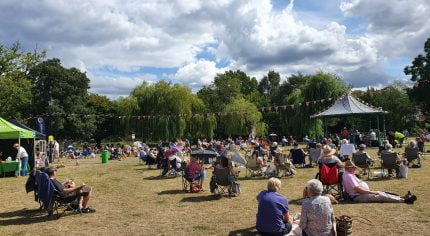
195 188
329 175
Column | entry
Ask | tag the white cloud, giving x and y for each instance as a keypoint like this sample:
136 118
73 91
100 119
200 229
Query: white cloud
117 86
399 28
127 35
198 73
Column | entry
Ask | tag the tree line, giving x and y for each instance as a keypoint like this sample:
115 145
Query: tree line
32 85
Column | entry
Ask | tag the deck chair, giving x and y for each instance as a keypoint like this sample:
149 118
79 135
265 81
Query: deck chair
360 160
221 184
282 162
252 166
187 182
297 157
329 176
51 199
388 161
412 154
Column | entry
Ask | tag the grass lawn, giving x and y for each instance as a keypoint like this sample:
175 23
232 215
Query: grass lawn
131 200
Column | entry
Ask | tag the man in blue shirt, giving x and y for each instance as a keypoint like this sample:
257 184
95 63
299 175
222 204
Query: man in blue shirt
272 216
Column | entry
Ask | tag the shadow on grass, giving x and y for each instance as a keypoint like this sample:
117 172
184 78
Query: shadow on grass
204 198
159 177
378 179
23 213
251 231
168 192
145 169
247 178
26 217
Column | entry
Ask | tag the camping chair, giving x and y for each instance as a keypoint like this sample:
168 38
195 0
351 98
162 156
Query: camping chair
221 184
187 182
412 154
297 157
51 200
360 160
329 176
252 166
388 161
282 162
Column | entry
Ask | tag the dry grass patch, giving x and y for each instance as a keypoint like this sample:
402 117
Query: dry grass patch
131 200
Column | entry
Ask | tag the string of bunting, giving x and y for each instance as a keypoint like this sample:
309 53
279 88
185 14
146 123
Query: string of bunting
276 108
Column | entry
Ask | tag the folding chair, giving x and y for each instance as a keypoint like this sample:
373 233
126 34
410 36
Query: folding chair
360 160
388 161
298 157
412 154
186 180
51 199
222 182
282 162
329 176
252 166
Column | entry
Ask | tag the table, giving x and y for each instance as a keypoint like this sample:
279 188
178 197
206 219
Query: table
11 166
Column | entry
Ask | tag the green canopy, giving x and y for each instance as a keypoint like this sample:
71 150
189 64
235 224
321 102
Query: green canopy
11 131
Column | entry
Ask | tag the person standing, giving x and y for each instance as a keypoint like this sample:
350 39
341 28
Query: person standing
22 156
56 151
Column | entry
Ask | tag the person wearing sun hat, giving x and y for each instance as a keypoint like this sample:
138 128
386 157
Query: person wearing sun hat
328 157
359 191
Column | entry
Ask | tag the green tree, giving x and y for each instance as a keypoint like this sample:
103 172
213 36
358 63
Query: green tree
420 74
15 88
170 108
105 109
243 122
62 94
395 100
304 89
228 86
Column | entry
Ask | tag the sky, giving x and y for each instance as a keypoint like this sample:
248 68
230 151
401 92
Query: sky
121 43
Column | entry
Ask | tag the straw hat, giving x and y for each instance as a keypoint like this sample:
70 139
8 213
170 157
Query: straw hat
274 144
327 150
350 164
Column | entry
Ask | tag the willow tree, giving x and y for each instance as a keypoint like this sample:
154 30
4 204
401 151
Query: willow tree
241 118
172 110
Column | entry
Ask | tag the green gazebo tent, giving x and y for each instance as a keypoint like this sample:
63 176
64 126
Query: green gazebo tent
11 131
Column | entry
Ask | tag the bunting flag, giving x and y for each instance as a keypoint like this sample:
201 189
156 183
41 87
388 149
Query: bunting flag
275 108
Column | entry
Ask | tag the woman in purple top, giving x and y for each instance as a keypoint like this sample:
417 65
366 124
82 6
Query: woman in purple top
272 216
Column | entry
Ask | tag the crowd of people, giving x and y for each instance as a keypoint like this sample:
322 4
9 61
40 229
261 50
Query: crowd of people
273 216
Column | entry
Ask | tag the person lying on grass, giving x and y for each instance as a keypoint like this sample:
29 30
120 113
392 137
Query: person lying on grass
70 193
359 191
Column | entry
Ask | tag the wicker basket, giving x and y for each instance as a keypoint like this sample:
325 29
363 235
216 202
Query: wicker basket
344 225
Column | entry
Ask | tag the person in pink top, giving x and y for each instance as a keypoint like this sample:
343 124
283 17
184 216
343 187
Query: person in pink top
359 191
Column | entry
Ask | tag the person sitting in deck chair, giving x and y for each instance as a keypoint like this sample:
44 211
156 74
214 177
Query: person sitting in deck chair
195 171
69 192
359 191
